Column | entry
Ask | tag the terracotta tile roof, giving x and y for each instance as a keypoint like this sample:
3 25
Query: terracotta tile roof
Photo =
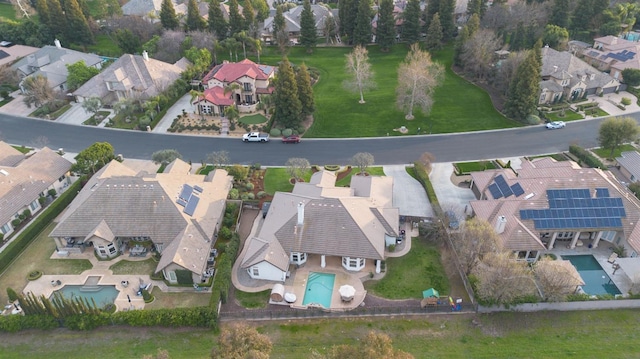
229 71
216 96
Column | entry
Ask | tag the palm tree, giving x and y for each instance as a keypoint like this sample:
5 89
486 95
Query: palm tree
195 94
232 88
232 114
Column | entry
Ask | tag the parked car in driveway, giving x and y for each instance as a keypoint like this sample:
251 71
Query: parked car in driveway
291 139
555 125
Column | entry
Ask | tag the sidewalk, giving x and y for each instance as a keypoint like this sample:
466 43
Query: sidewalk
608 103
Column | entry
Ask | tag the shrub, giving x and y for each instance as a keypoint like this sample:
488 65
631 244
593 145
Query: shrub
275 132
13 296
250 196
392 248
249 186
625 101
423 177
42 200
256 166
586 157
261 194
238 172
301 129
16 222
184 276
287 132
224 233
1 236
26 213
34 275
533 119
148 298
234 194
52 192
331 167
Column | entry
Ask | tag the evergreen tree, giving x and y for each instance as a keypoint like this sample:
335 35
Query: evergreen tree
445 15
194 21
305 91
217 24
411 25
523 90
85 8
518 38
434 34
113 8
43 11
236 23
168 17
77 26
348 19
279 30
308 31
249 15
386 29
362 30
433 6
288 109
560 13
261 9
476 7
57 22
343 7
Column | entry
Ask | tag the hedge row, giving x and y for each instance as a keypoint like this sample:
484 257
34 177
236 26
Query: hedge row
587 106
423 177
31 232
222 282
174 317
586 157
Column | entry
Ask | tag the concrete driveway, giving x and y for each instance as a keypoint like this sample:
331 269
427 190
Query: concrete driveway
184 103
450 196
17 107
408 194
76 115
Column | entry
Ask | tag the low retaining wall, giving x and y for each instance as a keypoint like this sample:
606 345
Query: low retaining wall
564 306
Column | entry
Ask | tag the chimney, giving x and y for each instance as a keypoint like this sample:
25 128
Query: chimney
300 213
145 55
555 68
501 222
57 43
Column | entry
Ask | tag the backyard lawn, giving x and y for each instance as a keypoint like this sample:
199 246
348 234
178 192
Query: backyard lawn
37 257
468 167
7 11
252 300
187 299
254 119
459 106
124 266
604 153
277 180
373 171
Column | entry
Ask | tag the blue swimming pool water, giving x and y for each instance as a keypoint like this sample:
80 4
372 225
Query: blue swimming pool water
102 294
592 273
319 289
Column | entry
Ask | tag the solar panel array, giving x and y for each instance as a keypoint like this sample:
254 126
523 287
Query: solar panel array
500 188
188 198
623 55
191 206
576 209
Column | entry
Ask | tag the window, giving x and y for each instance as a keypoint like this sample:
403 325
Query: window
255 271
608 236
172 276
5 229
248 98
33 205
353 263
62 178
298 258
247 86
112 248
565 235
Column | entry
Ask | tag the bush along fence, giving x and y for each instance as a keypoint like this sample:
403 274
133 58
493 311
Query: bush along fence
585 157
423 177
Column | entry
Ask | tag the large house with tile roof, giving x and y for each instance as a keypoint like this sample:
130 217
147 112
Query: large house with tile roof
565 76
24 179
353 223
547 204
613 54
131 76
176 213
252 80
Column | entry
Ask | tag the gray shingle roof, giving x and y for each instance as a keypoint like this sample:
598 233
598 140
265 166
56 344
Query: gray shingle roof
631 161
9 156
559 65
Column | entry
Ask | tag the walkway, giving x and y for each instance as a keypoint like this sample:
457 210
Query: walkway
183 103
608 103
408 194
450 196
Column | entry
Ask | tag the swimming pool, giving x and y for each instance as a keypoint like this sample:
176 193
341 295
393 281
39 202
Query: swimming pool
319 289
101 294
596 280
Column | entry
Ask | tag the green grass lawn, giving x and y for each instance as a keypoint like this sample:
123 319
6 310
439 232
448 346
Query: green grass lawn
7 11
186 299
105 46
253 119
459 106
6 101
468 167
92 121
598 112
604 153
124 266
120 121
253 300
22 149
373 171
568 116
409 275
277 180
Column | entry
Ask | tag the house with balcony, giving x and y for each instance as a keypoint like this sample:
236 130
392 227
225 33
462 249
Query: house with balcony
235 84
318 220
25 182
565 76
174 213
548 204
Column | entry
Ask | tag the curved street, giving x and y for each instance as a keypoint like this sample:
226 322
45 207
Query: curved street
386 150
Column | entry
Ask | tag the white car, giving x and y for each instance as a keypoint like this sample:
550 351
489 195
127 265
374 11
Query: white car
555 125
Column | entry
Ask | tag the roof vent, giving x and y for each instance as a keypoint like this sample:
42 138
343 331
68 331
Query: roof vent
4 172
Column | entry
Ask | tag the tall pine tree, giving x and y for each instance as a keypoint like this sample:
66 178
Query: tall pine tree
523 90
305 91
386 26
348 19
113 8
288 109
308 31
362 30
57 22
434 34
78 30
236 22
43 11
477 7
279 30
194 21
411 25
560 14
217 24
445 15
433 6
168 17
249 15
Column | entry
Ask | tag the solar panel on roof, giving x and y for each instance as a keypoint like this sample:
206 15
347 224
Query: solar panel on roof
517 189
495 192
186 192
504 187
190 208
197 188
602 192
181 202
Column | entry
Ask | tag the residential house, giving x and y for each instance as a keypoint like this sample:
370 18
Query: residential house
24 179
613 54
629 164
150 9
353 223
252 80
175 213
321 14
398 10
10 52
131 76
51 62
564 76
547 204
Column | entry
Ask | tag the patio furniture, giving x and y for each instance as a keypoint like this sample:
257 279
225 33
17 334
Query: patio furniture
612 257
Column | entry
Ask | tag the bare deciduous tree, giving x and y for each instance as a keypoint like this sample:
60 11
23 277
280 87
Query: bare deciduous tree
502 279
418 78
476 239
218 158
556 279
8 75
362 160
169 46
140 27
359 68
242 341
507 71
38 91
297 167
478 53
427 159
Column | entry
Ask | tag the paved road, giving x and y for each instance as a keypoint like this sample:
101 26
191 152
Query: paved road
386 150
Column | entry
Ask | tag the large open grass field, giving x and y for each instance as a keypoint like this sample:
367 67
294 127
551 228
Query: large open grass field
7 11
459 106
596 334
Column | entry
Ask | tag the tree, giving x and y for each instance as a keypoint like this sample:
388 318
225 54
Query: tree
556 37
477 55
427 159
164 157
418 78
386 27
9 75
92 105
635 188
411 25
445 15
37 90
113 8
249 16
76 25
556 279
373 346
168 17
279 30
434 34
200 58
79 73
92 158
241 341
262 10
232 114
362 29
308 31
615 131
560 13
288 107
359 70
127 41
218 158
57 22
362 160
43 11
476 238
347 14
238 172
305 91
217 24
477 7
631 77
502 279
523 90
297 167
194 21
236 22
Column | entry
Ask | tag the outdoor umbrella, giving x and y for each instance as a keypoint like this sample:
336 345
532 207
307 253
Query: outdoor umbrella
347 292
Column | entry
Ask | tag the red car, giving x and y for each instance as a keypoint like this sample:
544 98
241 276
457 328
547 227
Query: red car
291 139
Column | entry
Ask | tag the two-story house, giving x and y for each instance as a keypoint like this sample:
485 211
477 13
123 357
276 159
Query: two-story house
250 79
613 54
322 15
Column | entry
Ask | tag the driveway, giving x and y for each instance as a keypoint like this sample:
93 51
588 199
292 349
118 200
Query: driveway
450 196
184 103
17 107
408 194
609 103
76 115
